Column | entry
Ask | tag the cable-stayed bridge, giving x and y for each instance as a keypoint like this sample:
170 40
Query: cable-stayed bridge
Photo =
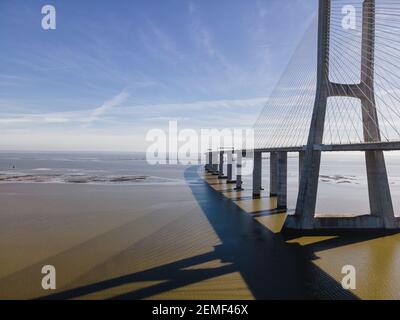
340 92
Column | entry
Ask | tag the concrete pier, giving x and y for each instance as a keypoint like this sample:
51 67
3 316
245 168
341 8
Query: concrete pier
257 174
209 162
221 166
282 180
229 166
273 174
378 184
306 200
239 181
215 164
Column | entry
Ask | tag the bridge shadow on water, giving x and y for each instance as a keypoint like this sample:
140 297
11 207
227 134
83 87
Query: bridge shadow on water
271 267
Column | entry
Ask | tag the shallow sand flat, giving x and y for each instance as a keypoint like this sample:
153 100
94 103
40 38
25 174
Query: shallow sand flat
193 241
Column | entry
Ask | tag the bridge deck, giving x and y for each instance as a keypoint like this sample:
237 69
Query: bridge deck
385 146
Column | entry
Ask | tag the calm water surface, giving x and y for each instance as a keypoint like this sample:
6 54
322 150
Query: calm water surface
100 216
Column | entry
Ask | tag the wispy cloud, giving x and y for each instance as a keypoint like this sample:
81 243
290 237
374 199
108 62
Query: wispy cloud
85 116
141 112
203 36
159 44
108 105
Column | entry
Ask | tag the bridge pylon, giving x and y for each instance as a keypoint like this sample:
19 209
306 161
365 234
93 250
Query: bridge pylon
381 207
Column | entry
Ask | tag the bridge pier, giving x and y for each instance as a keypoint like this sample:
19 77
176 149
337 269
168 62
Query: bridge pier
221 165
282 181
380 199
257 174
215 164
273 174
209 162
239 181
229 167
378 184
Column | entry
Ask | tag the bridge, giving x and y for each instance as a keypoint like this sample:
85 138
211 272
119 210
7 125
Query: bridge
345 98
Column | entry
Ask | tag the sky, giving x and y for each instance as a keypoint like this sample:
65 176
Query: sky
113 70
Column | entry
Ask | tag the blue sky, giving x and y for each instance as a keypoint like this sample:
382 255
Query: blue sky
112 70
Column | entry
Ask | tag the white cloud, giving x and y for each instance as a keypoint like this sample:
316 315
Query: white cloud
15 120
108 105
162 111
